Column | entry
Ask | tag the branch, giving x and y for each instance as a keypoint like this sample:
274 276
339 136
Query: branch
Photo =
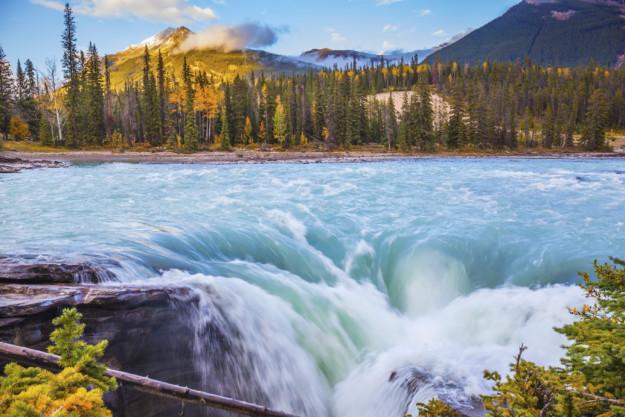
144 384
597 398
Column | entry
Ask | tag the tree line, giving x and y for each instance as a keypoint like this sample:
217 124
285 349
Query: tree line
432 106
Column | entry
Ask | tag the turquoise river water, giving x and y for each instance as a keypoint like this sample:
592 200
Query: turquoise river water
354 289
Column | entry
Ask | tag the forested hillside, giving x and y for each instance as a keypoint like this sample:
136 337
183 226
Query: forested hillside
127 65
565 32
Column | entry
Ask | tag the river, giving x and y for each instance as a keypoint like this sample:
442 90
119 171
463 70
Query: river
351 289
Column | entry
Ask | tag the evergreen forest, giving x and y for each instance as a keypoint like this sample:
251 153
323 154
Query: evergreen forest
436 106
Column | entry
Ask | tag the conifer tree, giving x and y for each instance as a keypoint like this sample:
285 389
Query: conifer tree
391 123
70 70
5 94
75 391
109 122
30 105
225 129
94 98
593 133
190 130
150 104
549 128
162 96
455 125
425 119
402 138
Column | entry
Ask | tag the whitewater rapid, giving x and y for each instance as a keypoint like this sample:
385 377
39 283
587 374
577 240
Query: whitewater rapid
344 289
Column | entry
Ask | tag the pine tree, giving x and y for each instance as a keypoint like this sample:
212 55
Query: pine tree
94 99
75 391
225 129
5 94
190 130
425 119
548 128
593 133
30 105
402 138
150 104
162 96
45 131
391 123
109 122
455 126
70 70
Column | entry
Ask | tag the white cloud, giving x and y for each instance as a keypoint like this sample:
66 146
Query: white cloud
440 32
387 2
425 12
386 45
390 27
166 11
231 38
335 36
48 3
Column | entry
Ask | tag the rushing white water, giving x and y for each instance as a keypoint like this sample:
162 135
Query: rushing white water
342 289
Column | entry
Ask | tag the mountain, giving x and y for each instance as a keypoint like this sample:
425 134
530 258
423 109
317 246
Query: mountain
342 58
550 32
127 65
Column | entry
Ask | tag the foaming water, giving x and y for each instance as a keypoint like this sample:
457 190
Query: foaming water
340 289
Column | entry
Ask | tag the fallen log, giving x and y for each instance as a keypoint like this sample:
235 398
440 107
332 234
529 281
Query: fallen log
147 385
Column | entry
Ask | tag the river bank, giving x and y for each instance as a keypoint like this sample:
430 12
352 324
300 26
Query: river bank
22 160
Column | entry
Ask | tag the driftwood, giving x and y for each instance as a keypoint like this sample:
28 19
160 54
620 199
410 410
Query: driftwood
147 385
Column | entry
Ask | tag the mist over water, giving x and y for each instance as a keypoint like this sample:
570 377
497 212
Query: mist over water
341 289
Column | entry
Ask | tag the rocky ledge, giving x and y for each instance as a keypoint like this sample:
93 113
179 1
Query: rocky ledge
148 328
13 165
23 272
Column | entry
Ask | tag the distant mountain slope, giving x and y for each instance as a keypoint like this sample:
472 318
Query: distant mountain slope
341 58
127 65
566 32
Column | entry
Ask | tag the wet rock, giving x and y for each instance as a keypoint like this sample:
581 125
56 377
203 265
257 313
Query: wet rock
47 273
147 329
13 165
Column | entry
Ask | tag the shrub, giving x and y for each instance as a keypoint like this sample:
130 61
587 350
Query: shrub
75 391
18 129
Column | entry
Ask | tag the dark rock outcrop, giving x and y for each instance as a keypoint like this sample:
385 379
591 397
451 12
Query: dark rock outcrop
13 165
147 328
45 273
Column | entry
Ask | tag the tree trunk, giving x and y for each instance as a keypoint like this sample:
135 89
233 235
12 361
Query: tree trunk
147 385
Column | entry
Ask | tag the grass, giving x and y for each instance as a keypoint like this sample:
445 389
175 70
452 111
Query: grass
27 146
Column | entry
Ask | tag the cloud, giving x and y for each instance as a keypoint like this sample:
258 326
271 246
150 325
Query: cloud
166 11
335 36
389 27
460 35
425 12
387 2
48 3
386 45
231 38
440 32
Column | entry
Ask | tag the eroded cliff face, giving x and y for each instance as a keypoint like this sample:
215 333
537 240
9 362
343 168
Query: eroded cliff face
147 327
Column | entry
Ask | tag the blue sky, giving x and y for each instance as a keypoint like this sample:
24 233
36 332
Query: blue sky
32 28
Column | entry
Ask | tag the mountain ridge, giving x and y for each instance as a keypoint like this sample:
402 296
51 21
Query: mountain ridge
127 65
550 32
327 57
